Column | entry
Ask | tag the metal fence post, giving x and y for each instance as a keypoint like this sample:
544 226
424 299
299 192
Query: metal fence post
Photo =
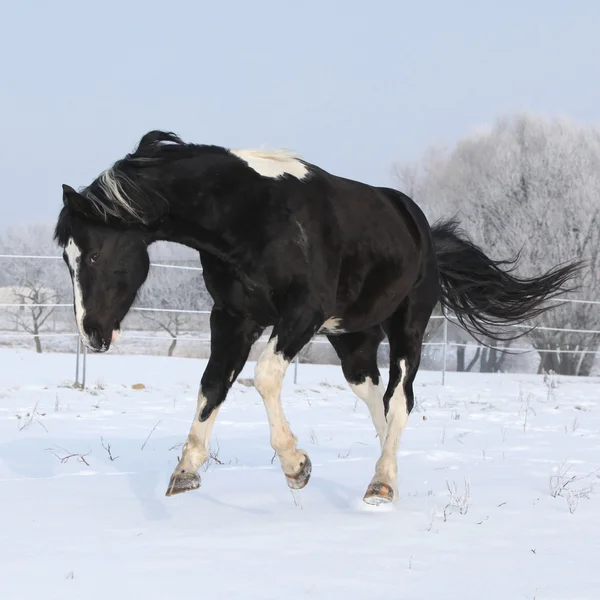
84 367
445 349
77 361
296 369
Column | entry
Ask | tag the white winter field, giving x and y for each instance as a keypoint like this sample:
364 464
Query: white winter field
499 488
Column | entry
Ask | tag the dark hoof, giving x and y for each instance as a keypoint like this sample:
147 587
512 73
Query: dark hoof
183 482
379 493
298 481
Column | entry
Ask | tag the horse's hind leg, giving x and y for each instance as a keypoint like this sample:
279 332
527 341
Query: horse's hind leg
405 330
358 355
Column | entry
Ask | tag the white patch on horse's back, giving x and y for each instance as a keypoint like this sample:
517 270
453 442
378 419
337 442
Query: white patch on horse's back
273 163
74 258
332 326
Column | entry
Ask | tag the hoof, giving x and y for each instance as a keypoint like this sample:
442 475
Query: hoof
379 493
183 482
298 481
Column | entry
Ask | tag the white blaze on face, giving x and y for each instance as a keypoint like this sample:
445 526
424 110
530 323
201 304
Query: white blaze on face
74 258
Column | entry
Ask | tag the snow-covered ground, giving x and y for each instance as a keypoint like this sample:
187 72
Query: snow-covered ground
76 524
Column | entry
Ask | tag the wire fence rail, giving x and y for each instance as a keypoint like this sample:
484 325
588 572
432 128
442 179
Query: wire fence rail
42 257
81 350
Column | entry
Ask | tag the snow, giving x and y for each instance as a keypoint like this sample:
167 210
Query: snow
104 529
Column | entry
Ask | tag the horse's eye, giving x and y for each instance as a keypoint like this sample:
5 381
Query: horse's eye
94 257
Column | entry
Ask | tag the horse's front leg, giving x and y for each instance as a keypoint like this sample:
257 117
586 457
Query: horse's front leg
232 337
288 338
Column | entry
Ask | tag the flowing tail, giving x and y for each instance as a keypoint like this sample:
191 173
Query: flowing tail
483 295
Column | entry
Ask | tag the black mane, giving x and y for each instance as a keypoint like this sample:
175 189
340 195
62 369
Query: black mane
134 190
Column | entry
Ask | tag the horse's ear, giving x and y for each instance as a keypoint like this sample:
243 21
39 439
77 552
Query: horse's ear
74 201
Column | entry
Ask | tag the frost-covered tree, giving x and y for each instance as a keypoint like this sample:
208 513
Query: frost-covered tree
33 281
173 289
527 184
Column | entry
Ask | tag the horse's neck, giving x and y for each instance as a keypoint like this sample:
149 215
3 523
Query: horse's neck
194 234
199 220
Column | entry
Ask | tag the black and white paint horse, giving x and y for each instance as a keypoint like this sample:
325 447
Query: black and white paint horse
286 245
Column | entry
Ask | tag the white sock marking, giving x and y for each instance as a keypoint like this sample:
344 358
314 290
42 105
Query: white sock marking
268 380
273 163
386 470
270 370
195 449
372 396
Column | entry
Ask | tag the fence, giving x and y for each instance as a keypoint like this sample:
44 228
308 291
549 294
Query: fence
81 350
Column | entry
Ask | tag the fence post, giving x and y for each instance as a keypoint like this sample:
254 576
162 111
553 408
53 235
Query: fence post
444 351
84 367
296 369
77 360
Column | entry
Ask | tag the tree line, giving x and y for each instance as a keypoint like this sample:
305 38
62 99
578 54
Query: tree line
527 186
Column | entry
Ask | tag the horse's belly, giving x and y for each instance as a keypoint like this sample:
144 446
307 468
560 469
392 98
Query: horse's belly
376 299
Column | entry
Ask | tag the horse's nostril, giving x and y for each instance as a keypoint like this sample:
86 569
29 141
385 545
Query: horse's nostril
96 341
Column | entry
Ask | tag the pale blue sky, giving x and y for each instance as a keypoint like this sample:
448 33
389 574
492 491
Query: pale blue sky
350 85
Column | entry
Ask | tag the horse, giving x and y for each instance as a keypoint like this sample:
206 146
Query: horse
286 245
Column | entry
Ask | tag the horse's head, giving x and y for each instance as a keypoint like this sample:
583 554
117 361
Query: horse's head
108 265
